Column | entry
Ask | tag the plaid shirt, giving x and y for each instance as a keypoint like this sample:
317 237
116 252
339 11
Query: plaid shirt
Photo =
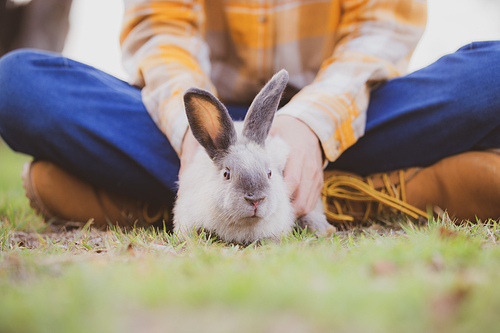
334 50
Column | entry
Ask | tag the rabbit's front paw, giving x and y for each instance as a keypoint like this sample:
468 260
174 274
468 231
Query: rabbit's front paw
316 221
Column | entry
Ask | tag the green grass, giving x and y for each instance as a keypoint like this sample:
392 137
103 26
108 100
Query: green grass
14 206
434 277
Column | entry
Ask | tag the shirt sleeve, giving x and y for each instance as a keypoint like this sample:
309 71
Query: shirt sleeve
163 51
374 43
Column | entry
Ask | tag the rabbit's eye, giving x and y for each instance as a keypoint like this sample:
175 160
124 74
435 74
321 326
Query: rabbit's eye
269 173
227 174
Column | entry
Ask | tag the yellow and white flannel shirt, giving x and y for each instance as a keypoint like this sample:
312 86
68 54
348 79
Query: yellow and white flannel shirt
334 51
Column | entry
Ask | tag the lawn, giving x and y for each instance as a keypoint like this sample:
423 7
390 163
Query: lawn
399 276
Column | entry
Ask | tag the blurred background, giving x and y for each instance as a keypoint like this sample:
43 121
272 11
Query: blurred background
94 27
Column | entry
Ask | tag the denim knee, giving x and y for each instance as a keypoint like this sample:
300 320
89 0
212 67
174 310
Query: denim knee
15 68
475 82
23 92
479 61
14 82
485 86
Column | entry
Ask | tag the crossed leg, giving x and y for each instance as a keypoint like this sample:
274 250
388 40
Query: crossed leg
96 127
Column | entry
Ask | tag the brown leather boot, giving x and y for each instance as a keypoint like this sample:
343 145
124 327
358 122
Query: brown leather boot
465 185
61 197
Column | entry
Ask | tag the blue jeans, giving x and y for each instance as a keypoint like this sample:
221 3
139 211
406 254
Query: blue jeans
96 126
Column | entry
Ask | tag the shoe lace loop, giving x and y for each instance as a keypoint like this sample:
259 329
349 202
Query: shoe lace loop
351 189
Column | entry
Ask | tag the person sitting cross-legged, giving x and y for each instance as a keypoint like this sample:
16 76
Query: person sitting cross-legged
358 126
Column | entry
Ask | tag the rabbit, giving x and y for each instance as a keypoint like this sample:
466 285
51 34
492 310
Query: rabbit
234 188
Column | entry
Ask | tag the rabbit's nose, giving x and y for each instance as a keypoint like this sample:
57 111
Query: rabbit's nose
253 200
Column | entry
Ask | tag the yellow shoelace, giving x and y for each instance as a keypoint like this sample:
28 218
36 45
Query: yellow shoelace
349 188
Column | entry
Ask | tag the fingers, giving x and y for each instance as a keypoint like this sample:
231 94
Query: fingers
305 183
310 194
304 169
292 176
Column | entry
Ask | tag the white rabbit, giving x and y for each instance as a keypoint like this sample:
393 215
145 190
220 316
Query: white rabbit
234 188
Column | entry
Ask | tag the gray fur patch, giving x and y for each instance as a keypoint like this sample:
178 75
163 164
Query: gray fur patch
249 167
259 118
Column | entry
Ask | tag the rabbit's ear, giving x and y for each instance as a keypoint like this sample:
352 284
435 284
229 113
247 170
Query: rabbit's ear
210 122
260 115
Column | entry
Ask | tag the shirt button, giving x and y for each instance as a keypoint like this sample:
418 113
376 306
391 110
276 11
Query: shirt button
262 19
337 144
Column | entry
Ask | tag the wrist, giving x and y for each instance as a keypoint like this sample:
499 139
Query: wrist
287 125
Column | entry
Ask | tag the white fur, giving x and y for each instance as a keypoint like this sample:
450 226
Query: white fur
231 193
204 199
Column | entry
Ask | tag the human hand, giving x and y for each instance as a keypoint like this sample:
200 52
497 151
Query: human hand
188 150
304 167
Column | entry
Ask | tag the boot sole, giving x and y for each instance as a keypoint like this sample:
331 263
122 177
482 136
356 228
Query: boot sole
33 197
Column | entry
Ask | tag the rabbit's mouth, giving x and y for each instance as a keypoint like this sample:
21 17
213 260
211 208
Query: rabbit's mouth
254 216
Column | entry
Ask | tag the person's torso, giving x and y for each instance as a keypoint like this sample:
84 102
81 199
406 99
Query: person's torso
251 40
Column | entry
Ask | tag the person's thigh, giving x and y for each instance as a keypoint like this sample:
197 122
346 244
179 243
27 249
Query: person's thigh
87 122
449 107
